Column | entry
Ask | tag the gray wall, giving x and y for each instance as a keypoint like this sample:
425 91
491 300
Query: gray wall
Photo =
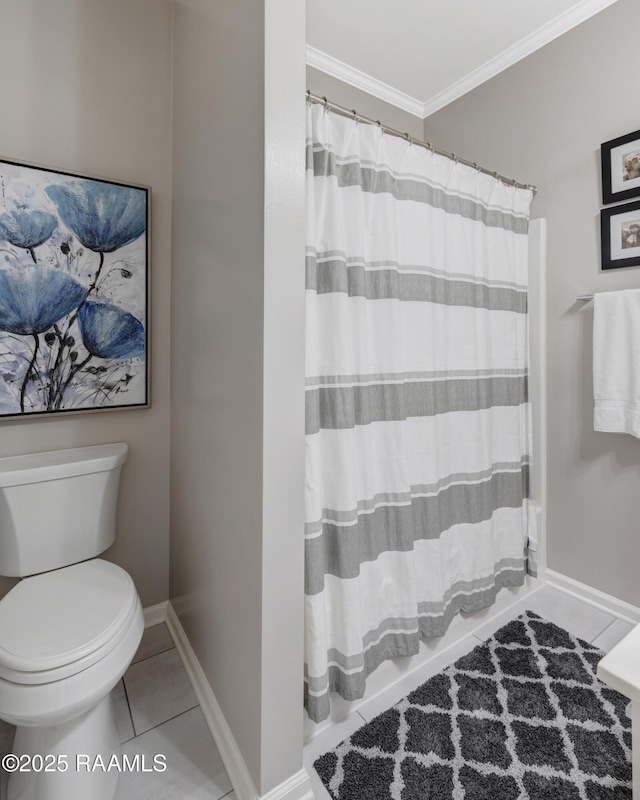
542 121
85 87
348 96
237 401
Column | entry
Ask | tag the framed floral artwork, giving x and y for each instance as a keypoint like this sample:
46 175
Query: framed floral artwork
74 289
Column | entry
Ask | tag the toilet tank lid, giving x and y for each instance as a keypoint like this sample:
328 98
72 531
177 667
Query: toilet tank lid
56 464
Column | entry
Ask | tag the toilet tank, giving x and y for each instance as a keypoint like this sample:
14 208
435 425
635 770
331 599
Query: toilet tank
58 508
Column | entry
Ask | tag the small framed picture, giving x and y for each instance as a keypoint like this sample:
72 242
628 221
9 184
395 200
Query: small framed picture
621 168
620 229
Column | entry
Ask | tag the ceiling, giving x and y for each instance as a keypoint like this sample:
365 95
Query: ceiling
422 54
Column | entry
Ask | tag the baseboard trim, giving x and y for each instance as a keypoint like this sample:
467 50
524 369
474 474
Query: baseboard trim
230 754
297 787
594 597
154 615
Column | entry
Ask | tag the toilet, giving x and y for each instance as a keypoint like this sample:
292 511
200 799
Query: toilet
70 628
620 669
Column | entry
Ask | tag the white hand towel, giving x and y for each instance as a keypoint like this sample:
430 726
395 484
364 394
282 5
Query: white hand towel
616 362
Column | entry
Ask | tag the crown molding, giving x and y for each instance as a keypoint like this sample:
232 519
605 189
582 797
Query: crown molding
552 30
355 77
360 80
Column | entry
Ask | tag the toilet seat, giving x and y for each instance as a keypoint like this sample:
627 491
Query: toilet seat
57 624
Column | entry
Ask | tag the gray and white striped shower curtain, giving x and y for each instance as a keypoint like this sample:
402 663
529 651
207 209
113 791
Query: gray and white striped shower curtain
418 425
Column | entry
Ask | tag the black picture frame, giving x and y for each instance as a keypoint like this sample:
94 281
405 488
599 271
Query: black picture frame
620 236
621 168
74 293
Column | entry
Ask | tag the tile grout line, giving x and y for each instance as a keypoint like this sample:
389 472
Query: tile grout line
126 697
136 735
153 727
146 658
606 627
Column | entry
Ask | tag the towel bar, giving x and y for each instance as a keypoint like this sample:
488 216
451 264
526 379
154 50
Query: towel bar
585 297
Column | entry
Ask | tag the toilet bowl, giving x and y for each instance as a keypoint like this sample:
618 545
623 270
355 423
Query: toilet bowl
67 633
620 669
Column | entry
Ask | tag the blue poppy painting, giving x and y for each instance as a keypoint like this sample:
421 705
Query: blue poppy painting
73 293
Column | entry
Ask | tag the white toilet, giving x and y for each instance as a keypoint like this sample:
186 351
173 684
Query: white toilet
620 669
70 629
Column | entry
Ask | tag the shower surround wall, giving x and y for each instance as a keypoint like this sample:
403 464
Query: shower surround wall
552 138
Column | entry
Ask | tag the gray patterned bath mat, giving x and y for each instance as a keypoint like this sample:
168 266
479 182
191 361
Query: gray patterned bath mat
521 717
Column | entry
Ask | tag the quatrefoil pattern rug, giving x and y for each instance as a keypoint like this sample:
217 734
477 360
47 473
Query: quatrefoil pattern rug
521 717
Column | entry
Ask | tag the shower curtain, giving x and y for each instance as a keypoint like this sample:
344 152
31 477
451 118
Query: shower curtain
417 420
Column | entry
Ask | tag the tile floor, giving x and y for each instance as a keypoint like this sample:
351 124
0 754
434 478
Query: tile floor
157 713
595 626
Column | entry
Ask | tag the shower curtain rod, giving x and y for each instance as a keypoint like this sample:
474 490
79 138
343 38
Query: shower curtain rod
346 112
